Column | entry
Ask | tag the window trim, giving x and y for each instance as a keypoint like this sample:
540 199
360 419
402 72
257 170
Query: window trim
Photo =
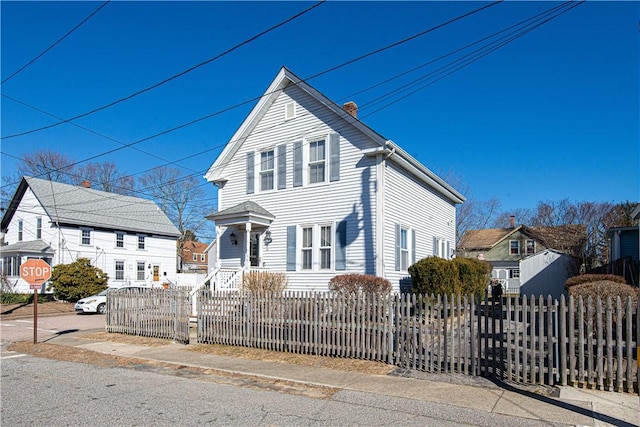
203 257
329 248
404 251
115 236
527 246
20 230
143 271
39 227
517 248
309 163
262 172
82 237
293 115
115 269
304 249
194 256
144 242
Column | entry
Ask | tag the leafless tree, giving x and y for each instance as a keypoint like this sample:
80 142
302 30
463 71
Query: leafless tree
178 196
47 164
105 176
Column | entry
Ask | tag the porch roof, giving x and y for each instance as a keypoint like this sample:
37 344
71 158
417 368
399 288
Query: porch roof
30 247
245 212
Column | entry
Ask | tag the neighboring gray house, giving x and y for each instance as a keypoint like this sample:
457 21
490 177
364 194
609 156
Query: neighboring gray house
306 188
129 238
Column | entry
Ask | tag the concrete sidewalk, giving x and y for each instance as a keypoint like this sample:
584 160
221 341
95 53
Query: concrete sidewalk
573 406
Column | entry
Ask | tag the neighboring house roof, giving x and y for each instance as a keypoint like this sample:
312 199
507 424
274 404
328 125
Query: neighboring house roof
76 205
194 247
565 238
394 153
33 246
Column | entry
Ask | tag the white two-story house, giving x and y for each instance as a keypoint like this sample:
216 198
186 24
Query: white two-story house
129 238
307 189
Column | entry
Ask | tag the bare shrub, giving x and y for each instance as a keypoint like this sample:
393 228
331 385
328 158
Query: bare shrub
604 289
355 283
587 278
264 281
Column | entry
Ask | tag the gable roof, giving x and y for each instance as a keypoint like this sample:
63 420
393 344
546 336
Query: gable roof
393 152
565 238
75 205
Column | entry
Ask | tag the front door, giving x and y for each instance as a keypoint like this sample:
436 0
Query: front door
254 249
156 273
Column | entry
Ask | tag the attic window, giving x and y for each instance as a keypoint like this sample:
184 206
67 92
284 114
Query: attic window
289 110
514 247
531 247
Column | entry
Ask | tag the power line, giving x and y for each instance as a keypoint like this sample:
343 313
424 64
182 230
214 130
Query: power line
58 41
175 76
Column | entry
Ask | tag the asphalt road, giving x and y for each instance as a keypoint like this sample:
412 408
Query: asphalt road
48 326
43 392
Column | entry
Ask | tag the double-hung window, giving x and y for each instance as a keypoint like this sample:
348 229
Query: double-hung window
325 246
307 248
85 238
20 230
141 242
119 270
39 227
531 246
119 240
514 247
140 270
404 249
267 166
202 258
317 161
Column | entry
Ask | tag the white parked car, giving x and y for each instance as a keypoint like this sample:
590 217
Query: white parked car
93 304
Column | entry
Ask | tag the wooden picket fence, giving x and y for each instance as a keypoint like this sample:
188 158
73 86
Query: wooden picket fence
158 313
528 340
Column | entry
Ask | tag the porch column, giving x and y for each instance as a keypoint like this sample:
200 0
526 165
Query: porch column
218 233
247 248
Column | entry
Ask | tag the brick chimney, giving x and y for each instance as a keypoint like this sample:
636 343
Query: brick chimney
351 108
512 221
86 184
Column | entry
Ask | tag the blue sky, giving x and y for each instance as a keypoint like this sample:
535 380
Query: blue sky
551 115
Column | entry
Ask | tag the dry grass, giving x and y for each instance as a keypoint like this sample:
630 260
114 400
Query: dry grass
20 311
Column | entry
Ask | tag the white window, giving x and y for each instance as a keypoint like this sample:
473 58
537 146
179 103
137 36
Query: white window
266 170
514 273
289 110
531 246
20 230
325 246
404 249
140 242
514 247
85 238
202 257
119 240
307 248
195 257
317 161
39 227
119 270
140 270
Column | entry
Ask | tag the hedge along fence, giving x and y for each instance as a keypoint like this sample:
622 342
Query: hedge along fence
458 276
580 342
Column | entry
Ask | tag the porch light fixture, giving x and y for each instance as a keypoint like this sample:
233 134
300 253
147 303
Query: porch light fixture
267 237
233 238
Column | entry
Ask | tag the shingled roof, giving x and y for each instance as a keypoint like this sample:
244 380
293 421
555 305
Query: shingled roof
75 205
564 238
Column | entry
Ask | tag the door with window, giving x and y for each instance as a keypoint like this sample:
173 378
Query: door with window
156 273
254 249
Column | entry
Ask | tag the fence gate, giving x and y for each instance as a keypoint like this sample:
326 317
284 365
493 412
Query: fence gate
157 313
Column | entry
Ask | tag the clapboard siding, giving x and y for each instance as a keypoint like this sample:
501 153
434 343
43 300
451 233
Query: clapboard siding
352 198
416 206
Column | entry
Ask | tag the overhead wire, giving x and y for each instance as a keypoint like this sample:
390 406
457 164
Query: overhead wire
175 76
459 50
55 43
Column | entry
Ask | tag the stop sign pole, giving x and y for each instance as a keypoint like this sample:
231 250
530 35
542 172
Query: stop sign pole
35 272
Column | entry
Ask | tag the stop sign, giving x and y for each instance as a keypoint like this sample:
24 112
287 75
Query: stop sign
35 272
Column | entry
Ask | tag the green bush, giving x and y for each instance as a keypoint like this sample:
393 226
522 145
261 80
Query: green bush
586 278
264 281
604 289
13 298
355 283
459 276
80 279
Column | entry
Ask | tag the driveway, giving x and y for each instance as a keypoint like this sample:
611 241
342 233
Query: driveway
48 326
